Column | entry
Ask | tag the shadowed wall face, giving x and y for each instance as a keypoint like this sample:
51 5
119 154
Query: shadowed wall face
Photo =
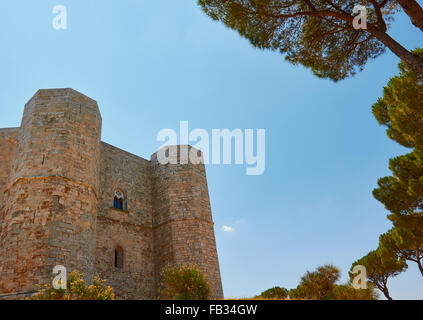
51 196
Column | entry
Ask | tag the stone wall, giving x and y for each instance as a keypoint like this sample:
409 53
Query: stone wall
8 141
130 229
45 226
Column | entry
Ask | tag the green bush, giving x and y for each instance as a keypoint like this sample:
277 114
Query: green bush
321 284
184 282
347 292
276 293
318 284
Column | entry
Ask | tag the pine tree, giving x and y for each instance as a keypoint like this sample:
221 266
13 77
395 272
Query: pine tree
380 266
319 34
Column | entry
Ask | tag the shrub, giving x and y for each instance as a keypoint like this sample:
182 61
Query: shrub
316 285
276 293
321 285
296 293
184 282
76 290
347 292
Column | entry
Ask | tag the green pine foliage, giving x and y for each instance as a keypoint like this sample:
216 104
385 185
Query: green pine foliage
318 34
380 266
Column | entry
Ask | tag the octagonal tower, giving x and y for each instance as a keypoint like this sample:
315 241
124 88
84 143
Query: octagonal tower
50 204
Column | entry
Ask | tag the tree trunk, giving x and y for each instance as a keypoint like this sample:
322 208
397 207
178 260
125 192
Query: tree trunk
419 263
386 293
414 11
412 59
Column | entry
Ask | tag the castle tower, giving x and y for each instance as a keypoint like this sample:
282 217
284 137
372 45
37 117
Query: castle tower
50 202
182 222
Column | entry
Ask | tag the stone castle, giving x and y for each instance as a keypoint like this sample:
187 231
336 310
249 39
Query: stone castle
66 198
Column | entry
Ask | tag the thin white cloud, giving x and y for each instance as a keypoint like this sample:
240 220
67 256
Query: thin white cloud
227 229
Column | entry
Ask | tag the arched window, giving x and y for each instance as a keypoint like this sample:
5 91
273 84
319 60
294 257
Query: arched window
118 257
119 201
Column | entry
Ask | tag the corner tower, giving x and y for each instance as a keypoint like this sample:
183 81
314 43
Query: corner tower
51 196
182 221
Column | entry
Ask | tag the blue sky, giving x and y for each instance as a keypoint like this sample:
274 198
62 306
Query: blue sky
151 64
